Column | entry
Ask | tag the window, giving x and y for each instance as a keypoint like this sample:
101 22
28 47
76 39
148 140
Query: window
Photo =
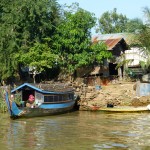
48 98
57 98
60 97
71 96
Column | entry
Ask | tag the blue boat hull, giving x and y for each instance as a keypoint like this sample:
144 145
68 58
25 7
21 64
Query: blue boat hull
40 100
47 109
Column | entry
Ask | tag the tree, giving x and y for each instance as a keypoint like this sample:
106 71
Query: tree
134 25
146 11
38 58
74 40
112 22
144 37
99 53
67 34
24 23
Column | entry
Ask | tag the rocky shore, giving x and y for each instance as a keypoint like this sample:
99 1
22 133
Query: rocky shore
116 94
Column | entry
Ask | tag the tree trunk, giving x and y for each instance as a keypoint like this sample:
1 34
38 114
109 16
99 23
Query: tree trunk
34 78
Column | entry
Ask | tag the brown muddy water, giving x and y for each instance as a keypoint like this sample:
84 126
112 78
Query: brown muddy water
81 130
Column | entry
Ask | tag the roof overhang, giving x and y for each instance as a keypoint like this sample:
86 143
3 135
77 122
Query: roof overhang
27 85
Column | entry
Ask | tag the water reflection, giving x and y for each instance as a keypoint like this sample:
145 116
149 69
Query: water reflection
77 131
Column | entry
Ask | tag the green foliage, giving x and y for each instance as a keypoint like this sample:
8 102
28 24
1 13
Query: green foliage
122 61
146 11
100 52
112 22
3 107
41 35
144 38
73 40
134 25
22 24
38 57
144 65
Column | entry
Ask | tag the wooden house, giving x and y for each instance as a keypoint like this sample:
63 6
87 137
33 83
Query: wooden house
120 44
117 46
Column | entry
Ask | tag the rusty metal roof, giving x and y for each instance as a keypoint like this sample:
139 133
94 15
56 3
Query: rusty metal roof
111 40
128 37
111 43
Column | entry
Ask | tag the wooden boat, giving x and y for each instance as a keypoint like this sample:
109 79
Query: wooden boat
126 109
40 100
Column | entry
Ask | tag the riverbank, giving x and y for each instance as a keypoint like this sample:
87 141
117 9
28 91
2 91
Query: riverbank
117 94
89 97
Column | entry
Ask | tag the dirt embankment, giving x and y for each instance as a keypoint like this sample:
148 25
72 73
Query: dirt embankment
118 94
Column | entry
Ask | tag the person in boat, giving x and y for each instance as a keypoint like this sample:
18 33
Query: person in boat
31 101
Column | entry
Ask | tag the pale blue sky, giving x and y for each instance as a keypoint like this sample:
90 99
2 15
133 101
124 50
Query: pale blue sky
130 8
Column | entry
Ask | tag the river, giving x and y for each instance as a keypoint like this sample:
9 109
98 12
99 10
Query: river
81 130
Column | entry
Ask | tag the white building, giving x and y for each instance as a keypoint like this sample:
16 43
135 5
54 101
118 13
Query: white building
136 55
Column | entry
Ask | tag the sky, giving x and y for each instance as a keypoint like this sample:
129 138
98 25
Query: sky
131 8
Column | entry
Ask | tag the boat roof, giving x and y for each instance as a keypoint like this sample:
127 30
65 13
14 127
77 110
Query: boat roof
46 88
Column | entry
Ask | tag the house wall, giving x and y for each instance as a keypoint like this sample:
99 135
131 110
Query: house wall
136 55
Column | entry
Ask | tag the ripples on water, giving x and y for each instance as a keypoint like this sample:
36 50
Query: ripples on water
77 131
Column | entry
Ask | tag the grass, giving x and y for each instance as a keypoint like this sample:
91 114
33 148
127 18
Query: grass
3 106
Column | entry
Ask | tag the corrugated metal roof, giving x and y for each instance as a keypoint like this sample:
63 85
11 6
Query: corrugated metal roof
111 40
111 43
128 37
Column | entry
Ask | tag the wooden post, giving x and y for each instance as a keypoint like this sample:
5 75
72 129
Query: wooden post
120 74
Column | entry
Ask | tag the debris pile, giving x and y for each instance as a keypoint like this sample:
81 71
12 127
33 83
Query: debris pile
119 94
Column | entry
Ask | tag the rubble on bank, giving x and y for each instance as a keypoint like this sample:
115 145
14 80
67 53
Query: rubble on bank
118 94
